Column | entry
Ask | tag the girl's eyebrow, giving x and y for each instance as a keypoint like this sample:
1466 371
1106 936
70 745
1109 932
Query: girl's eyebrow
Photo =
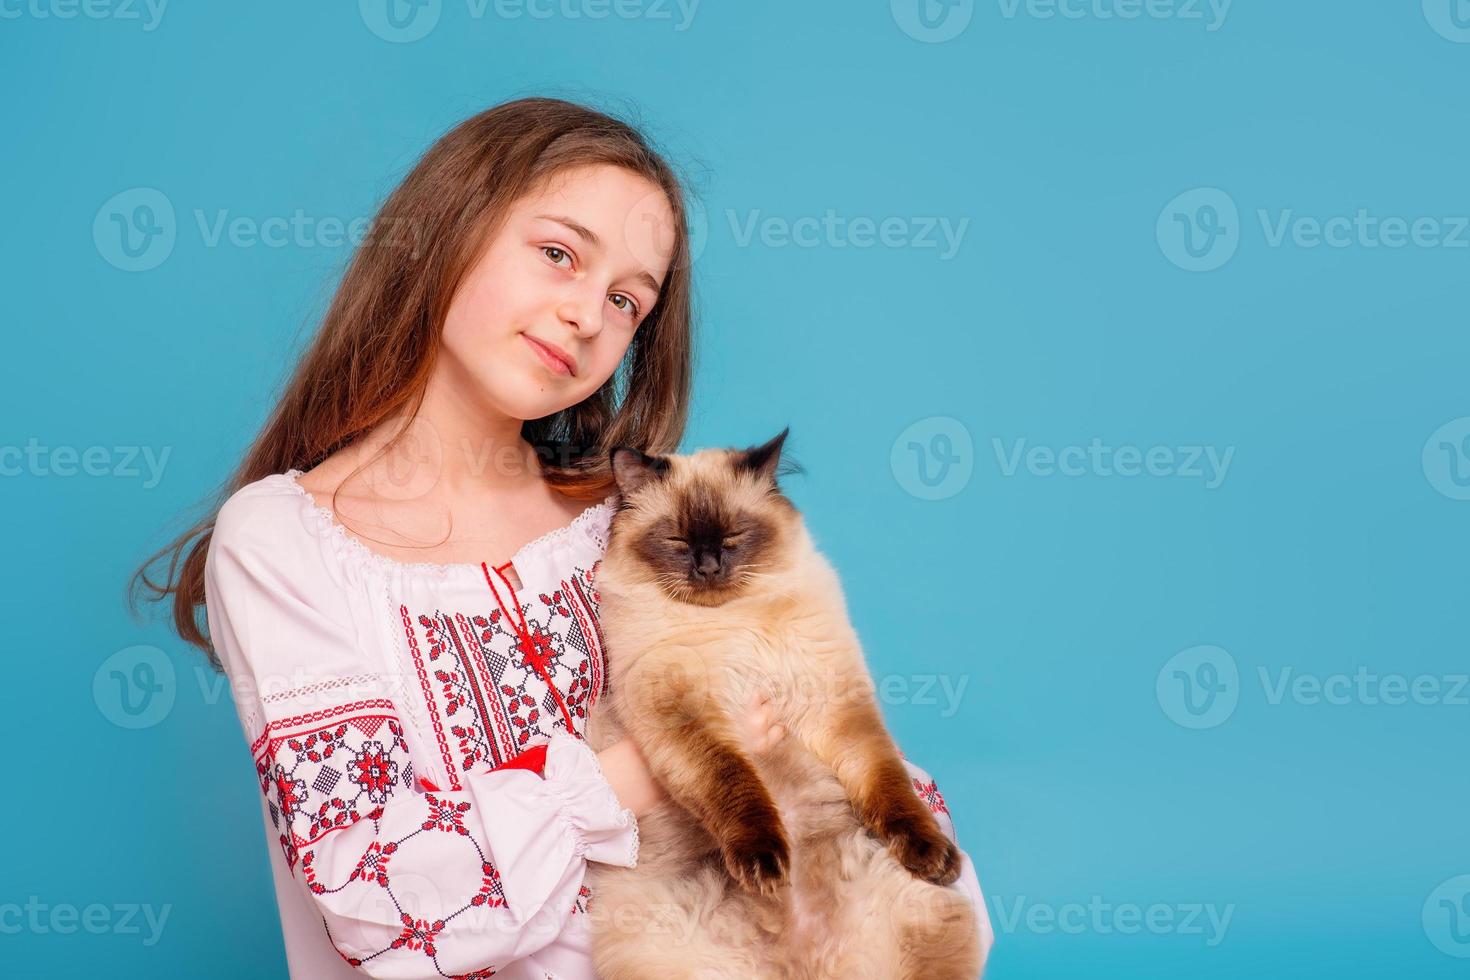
579 228
591 238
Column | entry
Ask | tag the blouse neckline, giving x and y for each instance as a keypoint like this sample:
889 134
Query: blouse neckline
589 525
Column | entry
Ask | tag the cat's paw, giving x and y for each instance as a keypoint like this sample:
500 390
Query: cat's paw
758 860
926 852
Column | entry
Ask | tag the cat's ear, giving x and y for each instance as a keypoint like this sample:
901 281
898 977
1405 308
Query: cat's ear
762 460
632 468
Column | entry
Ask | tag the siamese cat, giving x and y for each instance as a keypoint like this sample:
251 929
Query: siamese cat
815 860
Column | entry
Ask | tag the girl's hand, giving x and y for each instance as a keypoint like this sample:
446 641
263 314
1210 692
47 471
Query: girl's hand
760 735
627 772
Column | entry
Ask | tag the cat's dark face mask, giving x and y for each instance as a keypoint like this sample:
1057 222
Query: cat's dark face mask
700 536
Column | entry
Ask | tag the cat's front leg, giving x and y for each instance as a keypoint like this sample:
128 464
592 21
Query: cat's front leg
848 735
693 751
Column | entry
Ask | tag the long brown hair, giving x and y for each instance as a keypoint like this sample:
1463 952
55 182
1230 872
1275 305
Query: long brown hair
373 356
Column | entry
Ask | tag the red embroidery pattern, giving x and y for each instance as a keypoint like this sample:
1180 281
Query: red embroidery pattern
418 663
530 642
929 793
323 778
489 685
579 904
341 709
461 684
322 773
498 714
583 601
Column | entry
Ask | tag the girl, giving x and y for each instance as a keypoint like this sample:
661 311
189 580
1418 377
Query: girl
414 709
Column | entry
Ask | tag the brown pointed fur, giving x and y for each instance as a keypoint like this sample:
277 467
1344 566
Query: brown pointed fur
816 860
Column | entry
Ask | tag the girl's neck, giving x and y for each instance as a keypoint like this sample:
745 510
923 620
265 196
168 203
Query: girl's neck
456 448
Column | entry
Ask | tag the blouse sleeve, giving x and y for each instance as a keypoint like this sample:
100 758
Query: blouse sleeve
968 882
408 883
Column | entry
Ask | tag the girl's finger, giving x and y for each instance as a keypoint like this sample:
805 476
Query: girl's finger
755 725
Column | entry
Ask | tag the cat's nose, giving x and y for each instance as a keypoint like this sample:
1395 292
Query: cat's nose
707 566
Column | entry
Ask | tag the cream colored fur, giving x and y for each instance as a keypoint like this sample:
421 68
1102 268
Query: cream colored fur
847 909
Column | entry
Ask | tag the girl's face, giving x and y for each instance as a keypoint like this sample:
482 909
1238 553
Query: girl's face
572 271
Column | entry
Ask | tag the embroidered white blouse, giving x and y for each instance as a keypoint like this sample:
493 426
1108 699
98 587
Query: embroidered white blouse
427 810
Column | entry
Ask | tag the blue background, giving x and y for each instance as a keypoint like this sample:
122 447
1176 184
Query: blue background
1058 600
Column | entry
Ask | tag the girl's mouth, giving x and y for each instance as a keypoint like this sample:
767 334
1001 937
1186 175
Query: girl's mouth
552 362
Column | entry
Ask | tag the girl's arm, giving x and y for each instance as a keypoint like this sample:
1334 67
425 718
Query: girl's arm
408 883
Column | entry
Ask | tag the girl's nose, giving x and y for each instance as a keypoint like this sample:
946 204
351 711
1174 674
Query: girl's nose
581 311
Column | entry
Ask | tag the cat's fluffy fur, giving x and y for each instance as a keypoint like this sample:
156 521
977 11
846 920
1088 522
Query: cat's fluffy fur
816 860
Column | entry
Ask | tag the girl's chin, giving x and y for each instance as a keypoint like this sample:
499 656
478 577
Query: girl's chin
538 398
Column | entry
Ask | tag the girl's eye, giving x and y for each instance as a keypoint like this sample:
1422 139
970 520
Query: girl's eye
559 253
556 253
630 307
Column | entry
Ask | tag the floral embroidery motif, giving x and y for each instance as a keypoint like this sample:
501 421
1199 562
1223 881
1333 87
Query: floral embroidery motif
374 771
342 767
374 863
319 781
418 934
445 816
929 793
490 889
